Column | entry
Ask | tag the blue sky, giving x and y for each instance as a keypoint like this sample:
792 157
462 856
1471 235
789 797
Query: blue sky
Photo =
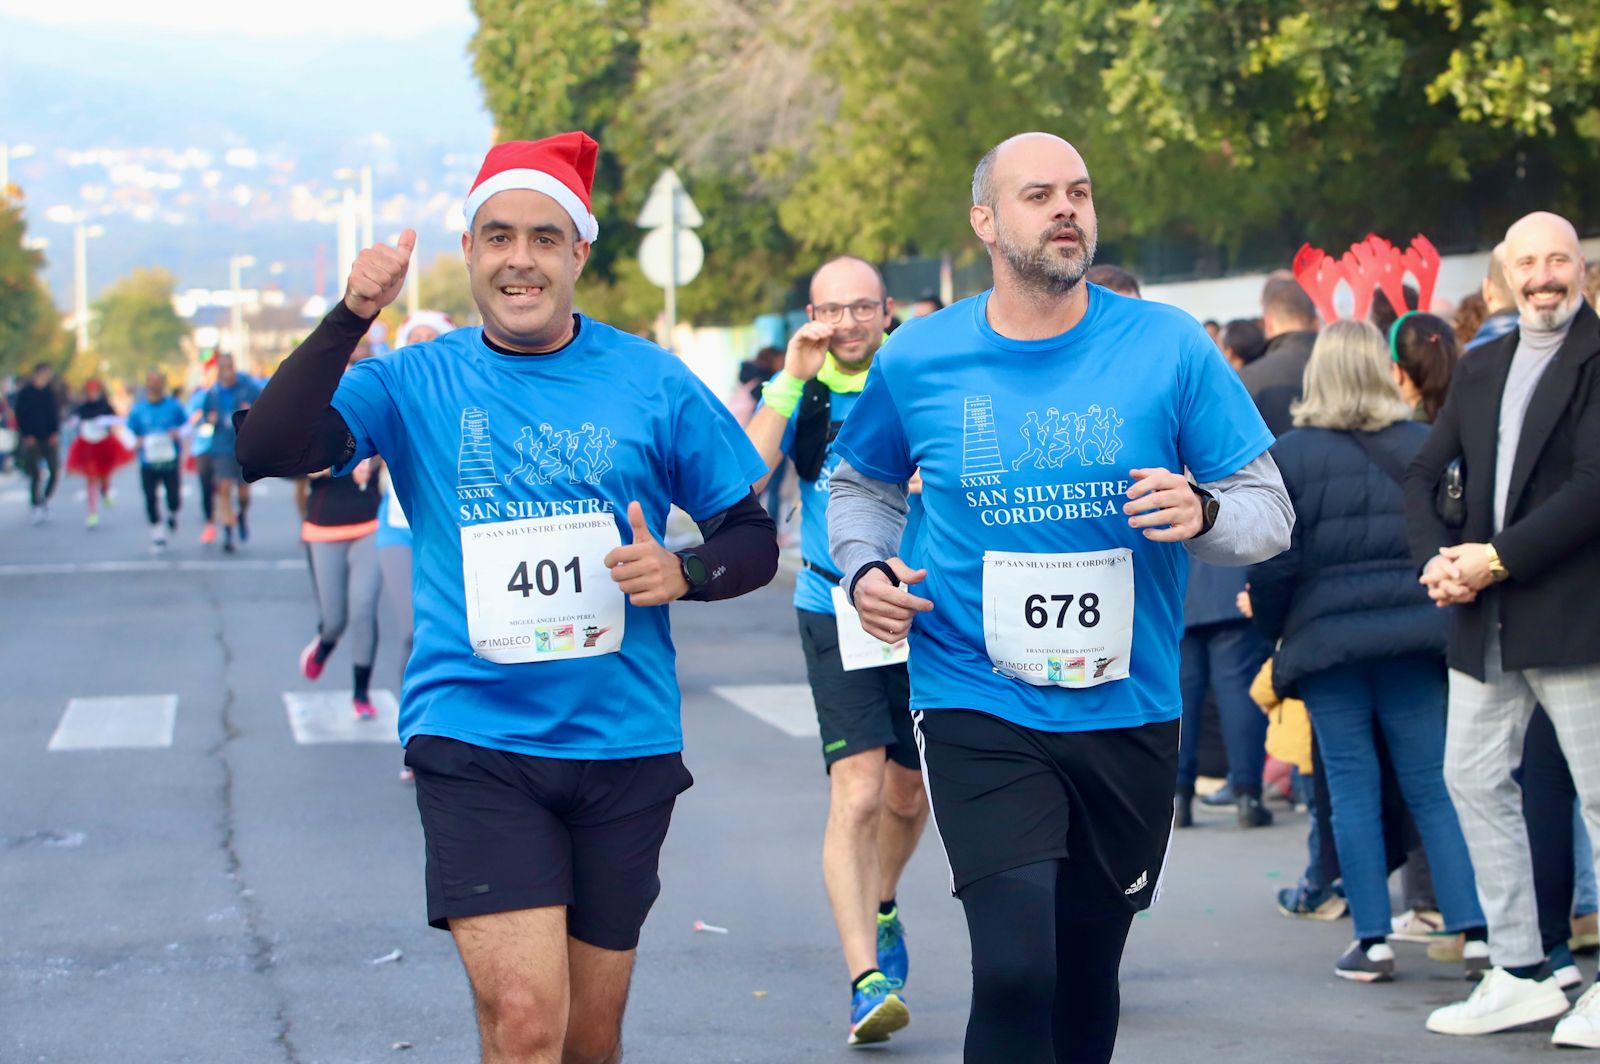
290 17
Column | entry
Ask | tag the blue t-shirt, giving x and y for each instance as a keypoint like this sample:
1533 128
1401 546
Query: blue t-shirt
200 443
389 533
1026 445
813 591
472 437
223 401
147 418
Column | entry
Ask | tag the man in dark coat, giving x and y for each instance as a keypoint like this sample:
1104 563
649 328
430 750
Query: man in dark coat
1275 379
1523 415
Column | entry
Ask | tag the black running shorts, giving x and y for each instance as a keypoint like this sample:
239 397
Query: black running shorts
509 831
861 710
1004 796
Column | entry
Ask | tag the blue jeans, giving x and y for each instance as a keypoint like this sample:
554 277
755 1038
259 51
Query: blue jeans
1224 658
1406 698
1586 898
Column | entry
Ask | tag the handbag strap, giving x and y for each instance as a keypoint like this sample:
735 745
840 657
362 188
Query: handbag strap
1381 458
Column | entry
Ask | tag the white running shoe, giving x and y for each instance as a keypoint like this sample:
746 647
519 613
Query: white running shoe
1581 1026
1501 1001
1416 925
158 537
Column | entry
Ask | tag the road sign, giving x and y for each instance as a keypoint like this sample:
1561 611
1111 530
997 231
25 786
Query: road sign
658 213
655 257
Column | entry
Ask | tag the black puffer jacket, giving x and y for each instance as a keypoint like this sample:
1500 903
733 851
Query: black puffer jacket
1346 590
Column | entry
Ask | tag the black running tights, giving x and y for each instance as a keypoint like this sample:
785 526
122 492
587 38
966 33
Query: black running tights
1044 971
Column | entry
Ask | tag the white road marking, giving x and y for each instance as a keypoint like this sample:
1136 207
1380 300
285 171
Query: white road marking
327 717
785 706
123 722
203 565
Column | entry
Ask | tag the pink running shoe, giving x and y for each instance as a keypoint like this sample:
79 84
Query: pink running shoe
208 534
309 665
407 776
365 710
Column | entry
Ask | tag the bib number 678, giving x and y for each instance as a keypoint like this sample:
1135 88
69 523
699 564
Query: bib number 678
1037 610
546 577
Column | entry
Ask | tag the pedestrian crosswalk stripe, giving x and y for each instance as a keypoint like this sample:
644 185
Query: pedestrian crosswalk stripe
785 706
197 565
121 723
327 717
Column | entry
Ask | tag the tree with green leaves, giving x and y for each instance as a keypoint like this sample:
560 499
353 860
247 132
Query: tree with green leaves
1220 135
135 327
30 327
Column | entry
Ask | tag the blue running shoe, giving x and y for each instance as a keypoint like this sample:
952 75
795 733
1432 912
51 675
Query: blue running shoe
892 959
876 1010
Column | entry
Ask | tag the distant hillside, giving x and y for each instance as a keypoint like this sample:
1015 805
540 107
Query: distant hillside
317 103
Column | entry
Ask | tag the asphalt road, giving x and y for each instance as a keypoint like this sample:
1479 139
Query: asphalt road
224 898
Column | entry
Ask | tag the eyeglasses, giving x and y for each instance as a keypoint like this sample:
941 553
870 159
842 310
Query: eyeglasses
833 313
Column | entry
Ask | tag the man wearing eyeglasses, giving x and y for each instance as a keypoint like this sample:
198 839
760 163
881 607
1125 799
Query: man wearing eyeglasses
876 804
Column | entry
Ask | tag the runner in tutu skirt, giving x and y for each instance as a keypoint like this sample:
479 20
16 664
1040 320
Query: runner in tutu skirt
98 450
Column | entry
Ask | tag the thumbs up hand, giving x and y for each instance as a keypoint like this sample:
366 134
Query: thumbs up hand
648 573
378 275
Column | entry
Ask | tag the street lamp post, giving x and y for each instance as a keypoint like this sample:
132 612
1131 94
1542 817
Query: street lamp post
241 343
81 232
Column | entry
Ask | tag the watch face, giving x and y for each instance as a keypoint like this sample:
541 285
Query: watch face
694 570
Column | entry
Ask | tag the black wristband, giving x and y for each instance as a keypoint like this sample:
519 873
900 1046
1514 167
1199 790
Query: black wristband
883 567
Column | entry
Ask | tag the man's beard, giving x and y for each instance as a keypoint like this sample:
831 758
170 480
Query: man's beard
1043 268
1554 318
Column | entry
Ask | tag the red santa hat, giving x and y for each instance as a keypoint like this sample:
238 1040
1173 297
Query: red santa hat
438 321
562 167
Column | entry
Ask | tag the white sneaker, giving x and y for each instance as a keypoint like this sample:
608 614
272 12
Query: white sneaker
1500 1002
38 515
1416 925
158 537
1581 1026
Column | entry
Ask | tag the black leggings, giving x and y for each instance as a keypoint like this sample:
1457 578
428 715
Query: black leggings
1044 970
151 480
206 471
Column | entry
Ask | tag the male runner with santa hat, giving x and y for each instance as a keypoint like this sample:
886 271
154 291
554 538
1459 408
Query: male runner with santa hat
534 456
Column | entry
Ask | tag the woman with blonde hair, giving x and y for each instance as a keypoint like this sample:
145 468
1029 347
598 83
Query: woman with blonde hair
1358 640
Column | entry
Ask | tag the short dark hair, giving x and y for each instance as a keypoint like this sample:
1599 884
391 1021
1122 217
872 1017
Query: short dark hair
1115 278
1426 350
931 297
1283 298
42 367
1245 338
1383 313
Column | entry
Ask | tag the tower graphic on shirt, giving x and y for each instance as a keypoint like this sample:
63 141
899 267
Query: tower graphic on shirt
980 444
475 463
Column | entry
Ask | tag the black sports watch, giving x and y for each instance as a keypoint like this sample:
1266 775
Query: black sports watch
695 573
1209 507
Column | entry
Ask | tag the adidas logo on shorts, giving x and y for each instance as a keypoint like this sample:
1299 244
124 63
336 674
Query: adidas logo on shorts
1140 883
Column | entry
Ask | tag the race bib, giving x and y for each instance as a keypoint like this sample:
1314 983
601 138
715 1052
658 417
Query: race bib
93 431
206 430
857 649
538 589
159 448
1059 620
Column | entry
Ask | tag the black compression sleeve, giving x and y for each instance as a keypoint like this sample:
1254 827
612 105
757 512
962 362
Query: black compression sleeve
291 430
740 552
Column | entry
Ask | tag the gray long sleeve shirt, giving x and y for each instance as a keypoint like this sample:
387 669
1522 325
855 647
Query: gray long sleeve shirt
1536 348
866 518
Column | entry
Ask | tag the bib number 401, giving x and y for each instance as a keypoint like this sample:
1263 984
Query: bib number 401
1036 610
546 577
